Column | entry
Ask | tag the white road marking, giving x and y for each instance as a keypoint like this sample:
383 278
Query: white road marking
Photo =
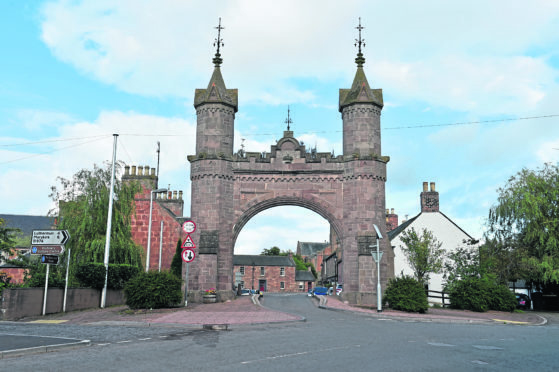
297 354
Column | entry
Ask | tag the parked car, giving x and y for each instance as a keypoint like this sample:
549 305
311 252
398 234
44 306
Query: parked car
320 291
339 289
246 292
523 301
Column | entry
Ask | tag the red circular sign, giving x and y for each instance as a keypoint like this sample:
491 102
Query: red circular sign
189 227
188 255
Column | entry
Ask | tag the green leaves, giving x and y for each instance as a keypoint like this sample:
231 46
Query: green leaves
526 220
423 252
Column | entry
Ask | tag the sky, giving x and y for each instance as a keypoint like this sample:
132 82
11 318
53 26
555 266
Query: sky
470 92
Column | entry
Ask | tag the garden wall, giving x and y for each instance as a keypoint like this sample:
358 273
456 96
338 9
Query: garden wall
18 303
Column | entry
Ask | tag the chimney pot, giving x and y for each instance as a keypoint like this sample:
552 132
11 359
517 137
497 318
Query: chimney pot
425 187
133 170
146 170
392 211
153 171
180 195
387 211
140 170
126 170
175 194
432 186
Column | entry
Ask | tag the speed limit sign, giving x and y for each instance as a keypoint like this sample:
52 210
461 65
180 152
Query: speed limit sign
188 255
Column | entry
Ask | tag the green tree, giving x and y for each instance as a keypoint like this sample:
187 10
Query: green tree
423 253
524 223
274 251
176 263
7 239
83 208
463 262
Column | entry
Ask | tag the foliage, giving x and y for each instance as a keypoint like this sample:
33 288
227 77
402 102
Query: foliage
36 273
274 251
300 263
176 263
7 238
93 275
210 292
83 208
525 221
463 262
406 294
153 290
480 294
423 253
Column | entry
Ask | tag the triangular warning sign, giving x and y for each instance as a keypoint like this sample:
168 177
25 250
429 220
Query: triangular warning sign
188 243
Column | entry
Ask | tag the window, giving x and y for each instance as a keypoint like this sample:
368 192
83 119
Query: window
301 286
282 285
282 271
242 270
262 271
242 283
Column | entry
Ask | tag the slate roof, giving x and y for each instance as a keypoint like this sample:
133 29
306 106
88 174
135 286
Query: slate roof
257 260
28 223
394 233
310 248
304 276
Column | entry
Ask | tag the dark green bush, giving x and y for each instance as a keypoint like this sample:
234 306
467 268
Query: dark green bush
92 275
406 294
176 263
478 294
153 290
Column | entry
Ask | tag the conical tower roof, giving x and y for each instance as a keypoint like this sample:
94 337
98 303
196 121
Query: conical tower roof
360 91
216 92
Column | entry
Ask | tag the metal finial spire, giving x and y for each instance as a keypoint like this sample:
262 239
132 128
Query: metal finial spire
219 43
360 60
288 120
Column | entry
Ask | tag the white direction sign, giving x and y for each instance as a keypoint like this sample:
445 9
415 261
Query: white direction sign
188 243
49 237
188 255
189 227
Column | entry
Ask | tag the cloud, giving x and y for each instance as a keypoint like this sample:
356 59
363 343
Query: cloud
159 49
80 145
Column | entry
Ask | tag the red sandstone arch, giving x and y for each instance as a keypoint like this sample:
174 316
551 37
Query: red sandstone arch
282 201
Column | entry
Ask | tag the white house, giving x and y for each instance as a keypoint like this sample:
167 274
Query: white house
443 228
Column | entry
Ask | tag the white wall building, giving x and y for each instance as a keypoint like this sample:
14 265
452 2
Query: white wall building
444 230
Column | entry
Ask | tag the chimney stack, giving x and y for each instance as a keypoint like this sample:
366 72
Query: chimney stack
429 199
391 220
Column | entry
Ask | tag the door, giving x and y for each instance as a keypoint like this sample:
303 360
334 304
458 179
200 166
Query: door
262 285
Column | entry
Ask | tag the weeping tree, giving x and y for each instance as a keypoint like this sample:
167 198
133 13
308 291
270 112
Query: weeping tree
82 207
524 224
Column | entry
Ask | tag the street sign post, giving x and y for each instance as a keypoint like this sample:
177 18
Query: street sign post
47 249
188 255
49 237
49 259
188 243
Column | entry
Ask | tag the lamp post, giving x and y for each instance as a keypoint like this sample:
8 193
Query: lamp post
377 256
149 224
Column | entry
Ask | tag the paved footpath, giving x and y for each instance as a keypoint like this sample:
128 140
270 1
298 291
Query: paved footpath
439 314
242 310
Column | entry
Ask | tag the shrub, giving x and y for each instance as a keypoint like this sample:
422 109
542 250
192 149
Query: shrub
176 263
406 294
153 290
92 275
479 294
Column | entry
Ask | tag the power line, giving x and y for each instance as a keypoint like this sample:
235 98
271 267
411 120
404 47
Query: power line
53 140
50 152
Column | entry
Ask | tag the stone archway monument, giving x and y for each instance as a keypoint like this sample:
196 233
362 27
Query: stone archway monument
229 188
